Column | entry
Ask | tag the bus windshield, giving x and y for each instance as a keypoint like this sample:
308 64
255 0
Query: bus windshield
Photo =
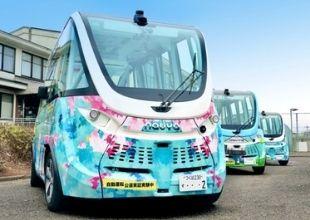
236 110
147 62
272 125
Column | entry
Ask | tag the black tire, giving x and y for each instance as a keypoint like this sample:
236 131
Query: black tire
35 180
259 170
283 162
52 187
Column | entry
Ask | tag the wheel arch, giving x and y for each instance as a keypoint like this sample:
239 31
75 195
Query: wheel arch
49 149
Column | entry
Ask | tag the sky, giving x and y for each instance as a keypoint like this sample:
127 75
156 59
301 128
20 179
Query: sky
258 45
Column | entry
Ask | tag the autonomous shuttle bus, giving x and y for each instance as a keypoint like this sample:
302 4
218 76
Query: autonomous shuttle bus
243 139
127 112
277 143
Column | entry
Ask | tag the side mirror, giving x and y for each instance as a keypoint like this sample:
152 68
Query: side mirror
43 92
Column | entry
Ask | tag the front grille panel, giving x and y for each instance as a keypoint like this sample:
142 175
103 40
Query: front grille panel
275 150
190 155
137 156
133 155
251 150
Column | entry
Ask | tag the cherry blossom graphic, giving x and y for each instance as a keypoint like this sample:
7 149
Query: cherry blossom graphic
216 178
137 124
95 180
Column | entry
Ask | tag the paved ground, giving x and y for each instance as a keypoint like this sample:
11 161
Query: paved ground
282 193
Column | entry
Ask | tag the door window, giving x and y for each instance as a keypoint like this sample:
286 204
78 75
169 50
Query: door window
66 68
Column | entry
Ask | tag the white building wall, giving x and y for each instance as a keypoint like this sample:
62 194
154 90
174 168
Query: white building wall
42 37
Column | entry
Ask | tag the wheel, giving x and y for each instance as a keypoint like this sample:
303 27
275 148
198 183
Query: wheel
259 170
53 191
35 180
283 162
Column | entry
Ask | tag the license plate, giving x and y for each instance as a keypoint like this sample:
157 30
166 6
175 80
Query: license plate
236 152
249 160
230 162
193 182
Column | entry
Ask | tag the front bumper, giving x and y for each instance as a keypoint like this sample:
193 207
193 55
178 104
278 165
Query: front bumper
254 155
145 185
117 184
140 171
245 162
277 152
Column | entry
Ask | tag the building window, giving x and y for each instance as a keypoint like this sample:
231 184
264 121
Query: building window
33 66
6 106
1 48
44 69
37 67
7 58
26 65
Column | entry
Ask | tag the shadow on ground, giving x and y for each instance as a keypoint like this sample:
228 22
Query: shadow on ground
276 164
240 171
139 208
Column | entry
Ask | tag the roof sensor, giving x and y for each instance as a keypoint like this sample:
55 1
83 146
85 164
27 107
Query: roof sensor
226 92
139 18
263 113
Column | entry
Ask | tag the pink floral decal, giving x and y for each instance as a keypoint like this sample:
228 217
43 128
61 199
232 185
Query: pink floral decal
216 178
185 125
136 124
129 144
51 140
97 103
205 146
95 180
82 145
46 139
97 143
66 165
110 151
202 145
110 140
214 143
71 103
208 114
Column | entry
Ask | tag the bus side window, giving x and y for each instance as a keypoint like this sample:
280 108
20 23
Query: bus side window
58 64
75 77
72 75
69 73
53 69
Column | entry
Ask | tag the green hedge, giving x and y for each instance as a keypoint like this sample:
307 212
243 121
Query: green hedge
15 143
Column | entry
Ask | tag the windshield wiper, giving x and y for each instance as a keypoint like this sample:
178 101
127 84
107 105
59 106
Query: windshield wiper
249 121
165 104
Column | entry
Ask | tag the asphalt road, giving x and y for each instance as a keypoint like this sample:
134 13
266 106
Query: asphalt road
281 193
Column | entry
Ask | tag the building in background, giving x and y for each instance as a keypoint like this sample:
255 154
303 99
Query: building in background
23 59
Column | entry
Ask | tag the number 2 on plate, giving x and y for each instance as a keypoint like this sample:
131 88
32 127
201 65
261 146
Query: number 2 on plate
203 184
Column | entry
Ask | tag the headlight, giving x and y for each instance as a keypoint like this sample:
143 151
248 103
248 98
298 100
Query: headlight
214 119
94 115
